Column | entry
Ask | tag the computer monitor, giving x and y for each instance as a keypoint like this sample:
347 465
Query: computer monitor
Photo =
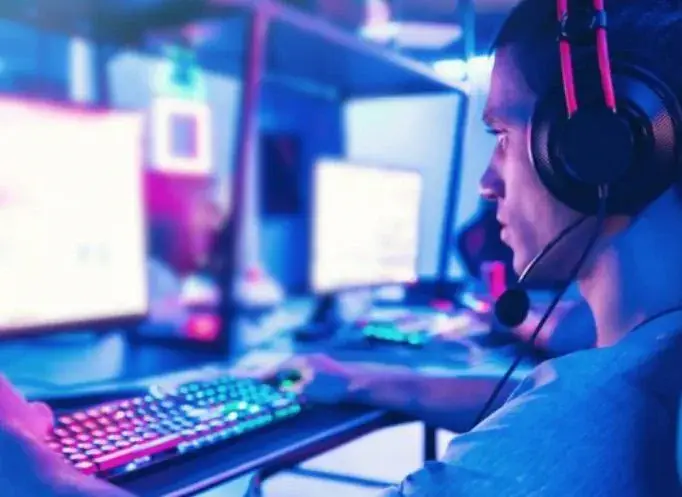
72 236
365 226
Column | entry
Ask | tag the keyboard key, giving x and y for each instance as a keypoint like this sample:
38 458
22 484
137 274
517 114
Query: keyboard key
124 456
61 433
194 415
115 459
86 467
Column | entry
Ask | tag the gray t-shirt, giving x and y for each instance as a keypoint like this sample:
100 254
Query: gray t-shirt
598 423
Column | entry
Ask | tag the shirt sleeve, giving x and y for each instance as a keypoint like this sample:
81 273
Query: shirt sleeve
441 479
558 437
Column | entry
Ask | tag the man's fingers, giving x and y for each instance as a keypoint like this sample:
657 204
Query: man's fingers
9 394
44 417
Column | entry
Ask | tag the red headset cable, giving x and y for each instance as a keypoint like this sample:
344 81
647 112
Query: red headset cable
603 57
566 61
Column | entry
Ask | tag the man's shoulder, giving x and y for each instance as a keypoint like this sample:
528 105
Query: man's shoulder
596 405
641 364
575 412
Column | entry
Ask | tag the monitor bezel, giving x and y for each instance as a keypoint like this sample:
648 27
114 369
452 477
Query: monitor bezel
366 164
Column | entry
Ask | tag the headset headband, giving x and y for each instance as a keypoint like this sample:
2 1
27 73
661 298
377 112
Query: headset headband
598 25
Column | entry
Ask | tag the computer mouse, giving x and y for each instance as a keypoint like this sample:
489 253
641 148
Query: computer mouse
287 377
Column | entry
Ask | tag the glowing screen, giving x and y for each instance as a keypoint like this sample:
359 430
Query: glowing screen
72 236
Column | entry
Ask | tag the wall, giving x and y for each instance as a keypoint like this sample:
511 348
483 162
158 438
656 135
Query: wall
32 62
414 132
130 76
317 121
278 244
478 147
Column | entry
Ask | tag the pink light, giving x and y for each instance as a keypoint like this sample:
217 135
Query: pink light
163 112
203 327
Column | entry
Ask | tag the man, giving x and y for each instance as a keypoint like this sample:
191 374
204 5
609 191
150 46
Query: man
185 220
601 422
569 328
27 466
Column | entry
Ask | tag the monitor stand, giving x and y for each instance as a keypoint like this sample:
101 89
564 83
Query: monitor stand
334 311
323 322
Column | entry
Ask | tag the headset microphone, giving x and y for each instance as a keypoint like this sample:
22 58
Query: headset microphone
513 306
601 146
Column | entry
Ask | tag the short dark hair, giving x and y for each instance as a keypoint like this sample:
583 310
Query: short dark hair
644 32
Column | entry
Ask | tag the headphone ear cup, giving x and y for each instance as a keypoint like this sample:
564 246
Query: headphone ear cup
636 151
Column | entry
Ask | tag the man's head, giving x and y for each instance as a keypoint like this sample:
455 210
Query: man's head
186 214
644 32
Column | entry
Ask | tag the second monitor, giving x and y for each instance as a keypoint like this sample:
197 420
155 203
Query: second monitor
365 226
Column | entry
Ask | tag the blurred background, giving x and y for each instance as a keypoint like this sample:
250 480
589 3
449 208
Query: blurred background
185 181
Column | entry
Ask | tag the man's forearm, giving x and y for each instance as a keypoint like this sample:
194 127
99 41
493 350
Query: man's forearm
30 468
444 402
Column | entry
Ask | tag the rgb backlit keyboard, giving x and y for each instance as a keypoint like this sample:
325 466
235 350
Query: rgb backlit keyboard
126 435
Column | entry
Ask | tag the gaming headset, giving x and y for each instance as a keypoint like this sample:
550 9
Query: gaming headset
607 141
619 129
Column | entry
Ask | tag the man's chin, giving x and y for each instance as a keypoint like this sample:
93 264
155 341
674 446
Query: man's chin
520 263
542 276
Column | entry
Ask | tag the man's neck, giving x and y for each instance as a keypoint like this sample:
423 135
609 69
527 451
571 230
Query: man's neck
636 274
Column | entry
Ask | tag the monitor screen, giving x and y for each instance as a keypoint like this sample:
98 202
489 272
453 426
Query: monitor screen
423 130
72 242
365 226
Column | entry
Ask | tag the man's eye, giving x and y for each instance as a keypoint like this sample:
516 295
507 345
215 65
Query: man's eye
501 136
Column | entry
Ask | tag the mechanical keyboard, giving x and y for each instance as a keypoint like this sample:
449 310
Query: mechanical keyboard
123 436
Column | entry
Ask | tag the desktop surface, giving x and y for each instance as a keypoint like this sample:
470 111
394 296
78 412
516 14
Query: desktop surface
312 432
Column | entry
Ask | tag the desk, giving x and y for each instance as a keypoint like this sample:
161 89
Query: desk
310 434
61 364
55 364
68 361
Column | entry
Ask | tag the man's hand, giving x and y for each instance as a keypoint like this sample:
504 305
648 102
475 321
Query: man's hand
28 466
32 420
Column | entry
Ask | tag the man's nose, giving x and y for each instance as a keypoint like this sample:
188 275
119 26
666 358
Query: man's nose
491 186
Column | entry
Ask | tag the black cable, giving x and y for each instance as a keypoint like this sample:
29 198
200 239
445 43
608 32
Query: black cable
513 306
601 216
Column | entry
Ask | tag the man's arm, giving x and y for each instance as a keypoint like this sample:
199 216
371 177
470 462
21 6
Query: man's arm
447 402
28 467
